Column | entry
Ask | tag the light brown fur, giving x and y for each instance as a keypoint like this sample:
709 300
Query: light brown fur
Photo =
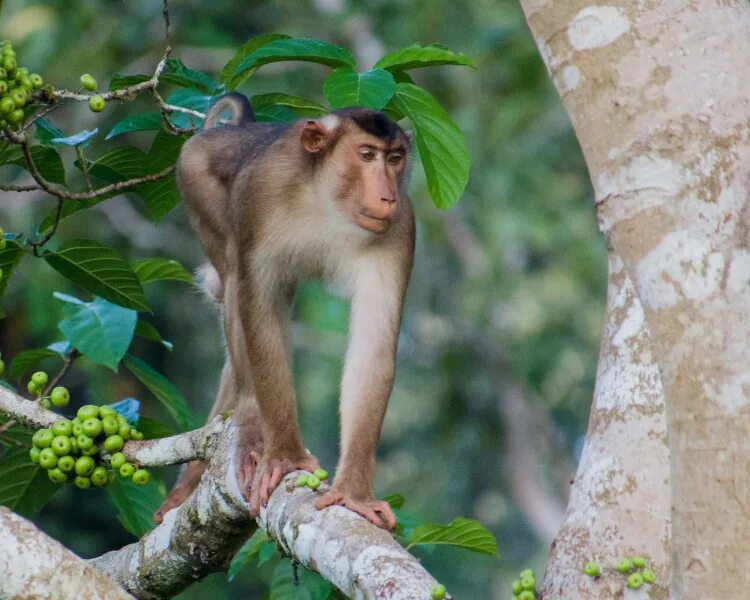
276 204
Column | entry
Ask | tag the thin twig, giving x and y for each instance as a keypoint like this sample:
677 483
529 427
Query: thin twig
19 188
69 360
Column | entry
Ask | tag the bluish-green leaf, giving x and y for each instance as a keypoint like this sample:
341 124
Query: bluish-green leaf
395 500
372 89
100 330
416 56
162 196
186 77
46 131
9 259
100 270
137 504
142 122
160 269
152 429
272 113
82 137
23 361
299 106
311 585
245 554
25 487
227 73
440 143
296 49
147 331
164 391
120 81
267 551
192 99
462 532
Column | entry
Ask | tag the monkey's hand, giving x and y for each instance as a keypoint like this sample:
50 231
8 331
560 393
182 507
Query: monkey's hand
269 471
376 511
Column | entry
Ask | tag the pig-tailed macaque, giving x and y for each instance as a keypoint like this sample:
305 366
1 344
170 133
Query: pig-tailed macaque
277 204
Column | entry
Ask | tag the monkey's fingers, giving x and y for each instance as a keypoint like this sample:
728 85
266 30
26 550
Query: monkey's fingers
376 512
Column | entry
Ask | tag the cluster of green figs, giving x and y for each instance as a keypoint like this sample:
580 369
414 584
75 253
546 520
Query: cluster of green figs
524 587
634 567
72 450
17 85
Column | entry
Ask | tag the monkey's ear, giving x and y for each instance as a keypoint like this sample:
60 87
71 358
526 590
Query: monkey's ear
409 133
314 136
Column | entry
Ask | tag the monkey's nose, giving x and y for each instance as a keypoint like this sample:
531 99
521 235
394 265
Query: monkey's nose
388 200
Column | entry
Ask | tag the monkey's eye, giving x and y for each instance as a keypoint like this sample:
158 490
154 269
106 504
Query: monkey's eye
367 154
395 158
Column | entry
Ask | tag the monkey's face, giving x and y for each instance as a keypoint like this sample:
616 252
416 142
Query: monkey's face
373 171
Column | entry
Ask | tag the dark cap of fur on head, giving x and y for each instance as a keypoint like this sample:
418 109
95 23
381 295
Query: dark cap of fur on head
373 122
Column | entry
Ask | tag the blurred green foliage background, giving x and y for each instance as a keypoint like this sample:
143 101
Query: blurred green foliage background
499 345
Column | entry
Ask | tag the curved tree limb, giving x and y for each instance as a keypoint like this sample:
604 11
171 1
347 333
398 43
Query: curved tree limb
34 565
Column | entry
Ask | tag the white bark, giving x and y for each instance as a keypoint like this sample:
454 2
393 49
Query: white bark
33 565
619 504
658 92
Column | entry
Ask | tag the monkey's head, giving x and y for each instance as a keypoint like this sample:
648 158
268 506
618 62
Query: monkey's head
368 154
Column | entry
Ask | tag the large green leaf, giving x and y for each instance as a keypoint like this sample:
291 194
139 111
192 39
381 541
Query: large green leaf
440 143
141 122
100 270
299 106
137 504
152 429
284 587
100 330
71 208
159 269
296 49
120 81
9 259
46 131
125 162
162 196
185 77
372 89
227 73
463 532
47 161
245 554
416 56
24 487
272 113
164 391
23 361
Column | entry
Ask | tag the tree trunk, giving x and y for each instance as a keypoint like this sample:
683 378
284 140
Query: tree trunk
658 94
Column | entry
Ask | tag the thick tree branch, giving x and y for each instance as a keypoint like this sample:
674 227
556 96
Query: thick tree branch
34 565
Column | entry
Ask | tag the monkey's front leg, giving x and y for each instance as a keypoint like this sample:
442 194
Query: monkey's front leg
257 337
365 388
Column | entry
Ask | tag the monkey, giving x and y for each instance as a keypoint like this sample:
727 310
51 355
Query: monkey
274 205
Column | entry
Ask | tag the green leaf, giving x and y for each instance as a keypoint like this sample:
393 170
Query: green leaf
164 391
440 143
162 196
227 73
462 532
372 89
395 500
137 504
25 487
245 554
160 269
267 551
185 77
152 429
120 81
143 122
300 106
47 161
100 330
23 361
9 259
71 208
296 49
417 56
274 114
311 585
125 162
147 331
100 270
46 131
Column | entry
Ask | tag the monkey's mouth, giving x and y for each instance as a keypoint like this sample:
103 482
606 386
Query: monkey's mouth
374 224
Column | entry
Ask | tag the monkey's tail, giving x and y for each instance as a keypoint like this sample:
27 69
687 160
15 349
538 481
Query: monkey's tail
239 107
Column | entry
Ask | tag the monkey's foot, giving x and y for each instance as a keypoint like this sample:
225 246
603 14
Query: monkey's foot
185 485
376 511
269 471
